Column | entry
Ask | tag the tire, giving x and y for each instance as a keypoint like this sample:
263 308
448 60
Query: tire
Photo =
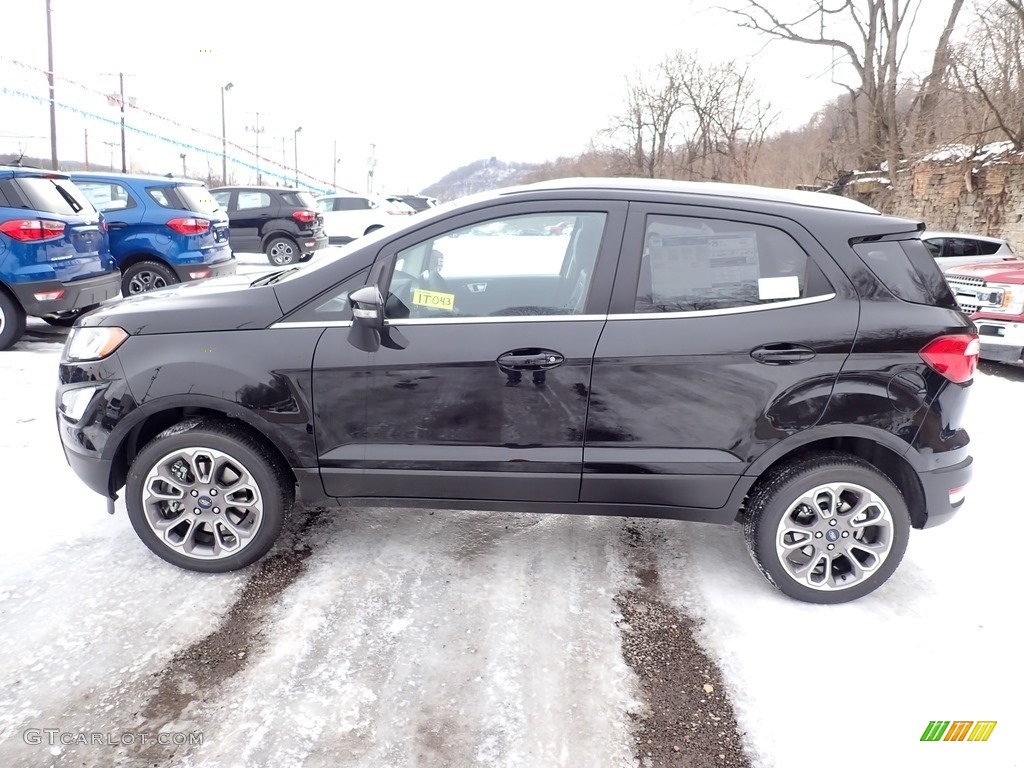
67 319
793 545
240 475
146 276
282 252
12 321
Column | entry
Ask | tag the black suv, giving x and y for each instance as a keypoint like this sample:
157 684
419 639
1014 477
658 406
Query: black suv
280 222
792 361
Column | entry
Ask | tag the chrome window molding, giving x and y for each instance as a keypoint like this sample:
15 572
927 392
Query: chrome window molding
724 311
567 318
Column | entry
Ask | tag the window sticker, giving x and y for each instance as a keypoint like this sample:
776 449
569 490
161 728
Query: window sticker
434 300
772 288
686 265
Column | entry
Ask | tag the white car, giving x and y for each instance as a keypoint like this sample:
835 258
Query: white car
348 216
955 249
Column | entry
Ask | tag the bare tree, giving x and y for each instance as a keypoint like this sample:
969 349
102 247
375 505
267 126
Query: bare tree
685 118
870 36
990 65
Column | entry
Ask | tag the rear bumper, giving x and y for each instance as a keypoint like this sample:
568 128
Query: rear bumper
76 294
310 244
939 485
206 271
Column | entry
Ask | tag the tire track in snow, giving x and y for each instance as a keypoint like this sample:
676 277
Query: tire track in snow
453 639
688 721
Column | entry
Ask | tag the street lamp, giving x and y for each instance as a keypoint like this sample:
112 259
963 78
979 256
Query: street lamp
183 171
296 148
224 134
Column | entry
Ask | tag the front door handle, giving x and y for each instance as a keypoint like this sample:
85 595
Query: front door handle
782 354
117 225
532 359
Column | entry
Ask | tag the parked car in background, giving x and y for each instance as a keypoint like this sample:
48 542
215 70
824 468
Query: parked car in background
348 216
954 249
402 205
416 202
162 230
709 352
993 295
55 260
281 222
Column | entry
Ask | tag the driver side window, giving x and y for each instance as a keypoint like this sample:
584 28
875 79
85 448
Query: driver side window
533 264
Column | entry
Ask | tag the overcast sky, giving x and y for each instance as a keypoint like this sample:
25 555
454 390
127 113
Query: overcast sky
433 85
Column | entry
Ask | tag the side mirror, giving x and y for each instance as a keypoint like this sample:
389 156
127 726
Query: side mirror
367 306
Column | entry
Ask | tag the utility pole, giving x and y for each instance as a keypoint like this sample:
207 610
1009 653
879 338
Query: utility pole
295 147
119 100
371 162
49 77
87 149
224 135
111 144
183 171
334 179
257 130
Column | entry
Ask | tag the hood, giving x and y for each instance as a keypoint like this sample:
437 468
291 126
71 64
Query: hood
1011 271
218 304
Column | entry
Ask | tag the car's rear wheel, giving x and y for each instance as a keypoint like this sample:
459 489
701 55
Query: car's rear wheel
282 251
828 529
12 321
207 496
146 276
67 319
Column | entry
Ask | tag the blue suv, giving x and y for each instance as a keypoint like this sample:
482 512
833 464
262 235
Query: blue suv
163 230
55 261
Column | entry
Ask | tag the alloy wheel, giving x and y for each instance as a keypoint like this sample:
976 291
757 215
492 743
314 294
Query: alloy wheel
202 503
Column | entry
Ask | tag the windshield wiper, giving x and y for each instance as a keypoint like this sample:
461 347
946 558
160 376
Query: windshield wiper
273 277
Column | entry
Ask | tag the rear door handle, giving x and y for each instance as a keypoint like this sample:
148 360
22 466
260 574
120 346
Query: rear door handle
530 360
782 354
477 287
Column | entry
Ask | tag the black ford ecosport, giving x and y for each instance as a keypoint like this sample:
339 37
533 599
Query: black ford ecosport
790 360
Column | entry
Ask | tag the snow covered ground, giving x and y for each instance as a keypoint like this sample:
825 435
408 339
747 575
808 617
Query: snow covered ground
465 638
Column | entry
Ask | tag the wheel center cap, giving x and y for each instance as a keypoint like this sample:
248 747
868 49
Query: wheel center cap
205 502
830 535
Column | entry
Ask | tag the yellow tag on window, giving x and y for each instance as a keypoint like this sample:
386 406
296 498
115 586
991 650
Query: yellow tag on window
434 300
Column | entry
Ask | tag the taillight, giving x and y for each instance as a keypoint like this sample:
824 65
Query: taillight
189 226
32 230
304 216
104 226
955 357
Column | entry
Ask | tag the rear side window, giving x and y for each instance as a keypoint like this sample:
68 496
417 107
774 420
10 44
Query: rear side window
59 196
107 196
351 203
695 264
908 270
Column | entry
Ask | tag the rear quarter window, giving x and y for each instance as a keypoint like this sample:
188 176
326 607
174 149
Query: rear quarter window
197 198
299 200
908 270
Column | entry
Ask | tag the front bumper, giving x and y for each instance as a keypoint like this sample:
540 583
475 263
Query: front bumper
1001 341
77 294
943 491
198 271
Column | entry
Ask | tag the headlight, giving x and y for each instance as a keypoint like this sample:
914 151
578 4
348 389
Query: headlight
1012 299
94 343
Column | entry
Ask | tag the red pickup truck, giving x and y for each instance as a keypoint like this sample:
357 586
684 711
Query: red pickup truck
993 295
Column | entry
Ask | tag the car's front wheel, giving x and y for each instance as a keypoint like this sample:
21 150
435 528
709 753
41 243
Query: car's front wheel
828 529
282 252
207 496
